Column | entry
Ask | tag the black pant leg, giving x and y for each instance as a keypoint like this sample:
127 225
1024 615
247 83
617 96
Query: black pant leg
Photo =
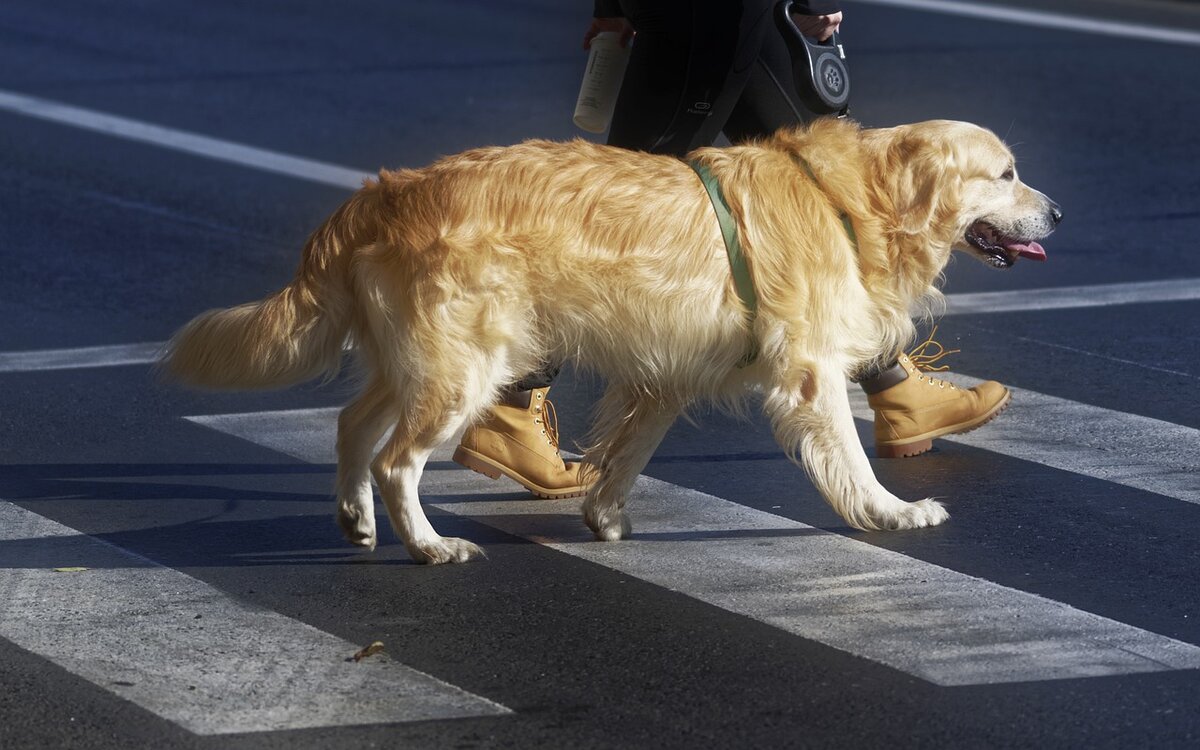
687 71
768 101
690 62
540 379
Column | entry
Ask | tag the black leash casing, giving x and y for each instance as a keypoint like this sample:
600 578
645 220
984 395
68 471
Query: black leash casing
819 68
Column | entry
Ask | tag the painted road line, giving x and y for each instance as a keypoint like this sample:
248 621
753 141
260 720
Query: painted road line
182 140
1047 20
187 652
1126 449
1074 297
1055 298
928 621
330 174
118 355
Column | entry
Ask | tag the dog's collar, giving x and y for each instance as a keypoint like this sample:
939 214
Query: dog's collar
742 281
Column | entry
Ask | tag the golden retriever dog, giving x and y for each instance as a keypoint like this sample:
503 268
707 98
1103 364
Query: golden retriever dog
455 280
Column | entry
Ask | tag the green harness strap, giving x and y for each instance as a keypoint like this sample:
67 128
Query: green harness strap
737 258
733 248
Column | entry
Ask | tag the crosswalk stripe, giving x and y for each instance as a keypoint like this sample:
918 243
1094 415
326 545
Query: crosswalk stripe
189 653
1126 449
1044 19
346 177
84 357
1074 297
1055 298
195 144
926 620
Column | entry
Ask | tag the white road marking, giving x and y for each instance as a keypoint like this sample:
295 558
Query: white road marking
338 176
948 628
182 140
1055 298
1074 297
1126 449
118 355
187 652
1047 20
931 622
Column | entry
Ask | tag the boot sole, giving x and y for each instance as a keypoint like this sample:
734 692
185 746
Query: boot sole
483 465
924 443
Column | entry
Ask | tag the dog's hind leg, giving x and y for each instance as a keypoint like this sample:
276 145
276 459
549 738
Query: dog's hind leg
629 426
811 417
430 416
360 425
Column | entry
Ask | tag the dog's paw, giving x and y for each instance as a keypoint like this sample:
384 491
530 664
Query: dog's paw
444 549
609 525
357 527
918 515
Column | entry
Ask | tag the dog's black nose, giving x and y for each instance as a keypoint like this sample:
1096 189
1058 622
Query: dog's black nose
1055 213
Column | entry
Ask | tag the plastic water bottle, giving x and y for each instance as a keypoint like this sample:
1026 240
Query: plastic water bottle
601 82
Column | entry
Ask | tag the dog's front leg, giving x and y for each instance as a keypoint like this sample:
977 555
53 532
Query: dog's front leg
810 413
629 426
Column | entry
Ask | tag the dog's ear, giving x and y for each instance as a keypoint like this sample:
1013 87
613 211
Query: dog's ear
924 178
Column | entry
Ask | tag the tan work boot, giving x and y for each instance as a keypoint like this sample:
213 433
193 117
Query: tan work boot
912 408
520 441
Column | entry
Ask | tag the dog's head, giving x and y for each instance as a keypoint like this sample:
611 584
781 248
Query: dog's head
957 184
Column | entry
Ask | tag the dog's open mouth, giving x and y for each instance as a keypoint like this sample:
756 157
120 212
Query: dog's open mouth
999 250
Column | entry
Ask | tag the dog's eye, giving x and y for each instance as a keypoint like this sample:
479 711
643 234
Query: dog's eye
1009 175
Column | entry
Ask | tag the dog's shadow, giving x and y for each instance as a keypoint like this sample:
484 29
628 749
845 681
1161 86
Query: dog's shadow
178 515
200 515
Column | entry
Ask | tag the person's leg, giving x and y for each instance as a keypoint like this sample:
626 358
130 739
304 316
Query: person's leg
911 407
685 74
768 101
543 378
689 63
656 75
518 438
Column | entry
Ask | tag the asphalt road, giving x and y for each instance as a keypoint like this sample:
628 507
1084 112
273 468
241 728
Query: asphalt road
1057 608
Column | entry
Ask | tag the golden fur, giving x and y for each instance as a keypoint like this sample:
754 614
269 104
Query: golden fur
456 279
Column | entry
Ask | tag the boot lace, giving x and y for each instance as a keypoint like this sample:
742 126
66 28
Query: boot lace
925 355
548 419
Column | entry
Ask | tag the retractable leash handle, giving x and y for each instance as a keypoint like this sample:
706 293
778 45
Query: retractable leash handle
819 68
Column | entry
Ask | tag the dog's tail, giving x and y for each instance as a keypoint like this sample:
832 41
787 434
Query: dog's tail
293 335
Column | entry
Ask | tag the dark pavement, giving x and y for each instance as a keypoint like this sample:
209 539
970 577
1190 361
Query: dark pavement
105 241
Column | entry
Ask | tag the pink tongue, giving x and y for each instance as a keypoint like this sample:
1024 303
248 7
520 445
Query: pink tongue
1033 250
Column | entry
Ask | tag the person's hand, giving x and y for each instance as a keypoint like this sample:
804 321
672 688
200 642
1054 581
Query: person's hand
818 27
619 25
